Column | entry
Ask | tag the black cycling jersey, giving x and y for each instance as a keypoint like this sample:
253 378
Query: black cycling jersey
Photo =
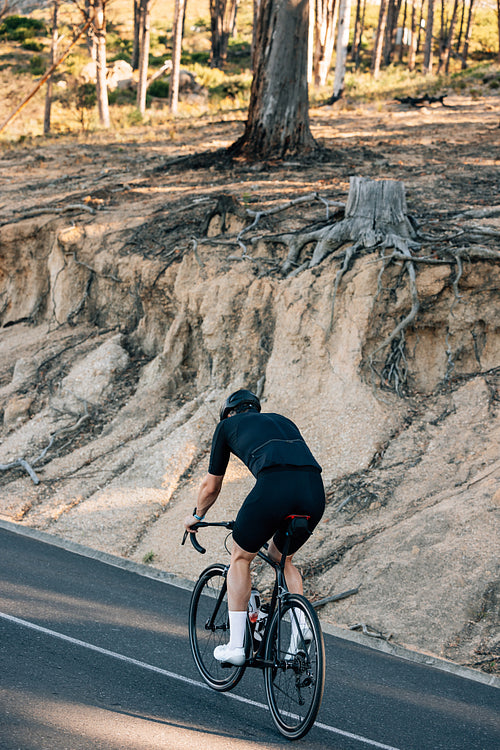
261 441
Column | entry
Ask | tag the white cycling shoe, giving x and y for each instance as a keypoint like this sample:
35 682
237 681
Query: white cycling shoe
298 643
235 656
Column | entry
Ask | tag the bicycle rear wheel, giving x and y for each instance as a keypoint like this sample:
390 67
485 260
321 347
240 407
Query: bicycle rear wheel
295 682
209 627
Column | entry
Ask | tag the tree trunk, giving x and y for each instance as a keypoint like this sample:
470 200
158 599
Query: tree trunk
468 33
379 38
392 19
222 18
176 55
256 6
101 88
137 36
91 37
402 43
412 51
145 15
322 34
359 26
342 45
444 62
53 58
498 24
428 38
278 114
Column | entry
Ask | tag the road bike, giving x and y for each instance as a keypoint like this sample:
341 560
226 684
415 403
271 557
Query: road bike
287 644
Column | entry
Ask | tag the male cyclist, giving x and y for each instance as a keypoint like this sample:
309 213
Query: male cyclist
288 481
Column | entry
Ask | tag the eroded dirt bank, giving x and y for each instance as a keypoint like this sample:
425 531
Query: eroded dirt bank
129 306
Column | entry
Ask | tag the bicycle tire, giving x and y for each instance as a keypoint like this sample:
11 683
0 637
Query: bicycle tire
295 682
209 628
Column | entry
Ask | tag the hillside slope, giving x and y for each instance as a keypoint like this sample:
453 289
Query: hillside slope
131 303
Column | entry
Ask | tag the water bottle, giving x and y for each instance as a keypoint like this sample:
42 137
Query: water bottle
260 625
253 608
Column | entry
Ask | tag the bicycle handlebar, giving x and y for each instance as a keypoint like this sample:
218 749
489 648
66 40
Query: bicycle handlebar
201 525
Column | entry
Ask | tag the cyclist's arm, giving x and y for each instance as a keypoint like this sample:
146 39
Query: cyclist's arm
207 495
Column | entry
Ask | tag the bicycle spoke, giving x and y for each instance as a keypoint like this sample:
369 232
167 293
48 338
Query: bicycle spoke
294 685
209 627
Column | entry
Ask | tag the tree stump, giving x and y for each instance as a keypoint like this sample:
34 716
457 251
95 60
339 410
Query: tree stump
375 216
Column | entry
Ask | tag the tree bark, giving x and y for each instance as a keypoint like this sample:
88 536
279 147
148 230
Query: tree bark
359 26
379 38
392 19
342 45
53 58
176 55
137 36
101 87
412 50
468 33
91 38
278 115
142 85
222 19
428 38
444 62
322 35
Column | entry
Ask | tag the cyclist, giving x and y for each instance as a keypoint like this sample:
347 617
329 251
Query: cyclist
288 481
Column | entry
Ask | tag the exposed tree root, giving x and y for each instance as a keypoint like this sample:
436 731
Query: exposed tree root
374 220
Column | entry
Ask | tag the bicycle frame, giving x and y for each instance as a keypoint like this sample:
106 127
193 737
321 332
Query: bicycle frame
280 587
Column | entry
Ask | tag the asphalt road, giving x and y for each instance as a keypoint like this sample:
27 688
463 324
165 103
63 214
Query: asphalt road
93 656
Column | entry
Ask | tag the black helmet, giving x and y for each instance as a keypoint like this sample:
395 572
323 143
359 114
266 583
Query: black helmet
239 401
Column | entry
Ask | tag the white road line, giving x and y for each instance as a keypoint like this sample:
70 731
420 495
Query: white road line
179 677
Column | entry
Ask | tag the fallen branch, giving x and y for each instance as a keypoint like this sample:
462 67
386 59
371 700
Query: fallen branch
28 466
368 630
334 598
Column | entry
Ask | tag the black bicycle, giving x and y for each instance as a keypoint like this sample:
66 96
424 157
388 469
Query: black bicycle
287 645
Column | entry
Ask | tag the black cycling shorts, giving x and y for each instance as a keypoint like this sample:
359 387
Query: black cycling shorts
278 493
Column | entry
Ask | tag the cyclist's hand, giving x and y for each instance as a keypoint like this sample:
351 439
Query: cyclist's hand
188 522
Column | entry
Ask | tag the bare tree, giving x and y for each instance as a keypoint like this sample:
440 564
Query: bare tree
359 25
322 23
99 24
379 38
144 25
53 58
429 38
176 55
468 33
342 45
390 29
278 114
222 20
447 34
136 46
412 50
91 38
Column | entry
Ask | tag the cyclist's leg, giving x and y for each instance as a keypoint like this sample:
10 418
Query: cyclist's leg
292 574
239 584
238 594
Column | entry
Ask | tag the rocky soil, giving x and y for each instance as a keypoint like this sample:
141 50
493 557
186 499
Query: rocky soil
131 301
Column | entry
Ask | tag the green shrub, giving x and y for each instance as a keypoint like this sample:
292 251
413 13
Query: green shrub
159 89
37 65
85 96
33 46
20 28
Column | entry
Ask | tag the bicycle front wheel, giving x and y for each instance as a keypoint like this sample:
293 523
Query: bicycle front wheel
295 682
209 627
